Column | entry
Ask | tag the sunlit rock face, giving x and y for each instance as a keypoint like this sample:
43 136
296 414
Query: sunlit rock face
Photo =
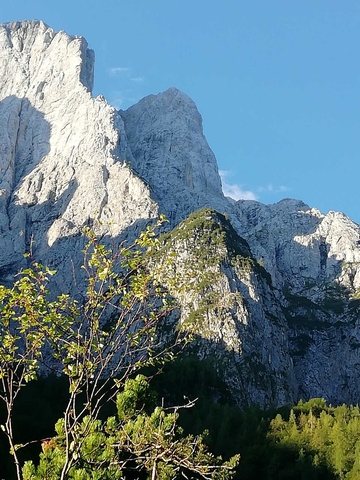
288 326
300 246
61 151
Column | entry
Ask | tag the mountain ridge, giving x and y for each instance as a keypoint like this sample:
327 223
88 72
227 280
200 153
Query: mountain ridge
68 160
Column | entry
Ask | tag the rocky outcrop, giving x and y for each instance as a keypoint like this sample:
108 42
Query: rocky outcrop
273 346
278 288
314 262
301 247
232 309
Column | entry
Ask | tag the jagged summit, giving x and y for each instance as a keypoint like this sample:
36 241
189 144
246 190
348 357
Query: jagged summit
170 152
24 24
166 98
32 44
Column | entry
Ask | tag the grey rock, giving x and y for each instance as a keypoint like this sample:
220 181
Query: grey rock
170 152
301 247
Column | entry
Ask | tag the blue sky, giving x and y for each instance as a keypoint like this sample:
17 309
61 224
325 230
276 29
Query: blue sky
277 82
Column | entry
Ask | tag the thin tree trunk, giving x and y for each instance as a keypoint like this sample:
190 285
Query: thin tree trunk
154 475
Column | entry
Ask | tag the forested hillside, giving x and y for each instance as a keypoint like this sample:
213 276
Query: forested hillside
310 440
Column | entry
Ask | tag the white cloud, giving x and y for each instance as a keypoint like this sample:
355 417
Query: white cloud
237 192
268 188
283 188
118 71
137 79
125 72
233 190
271 189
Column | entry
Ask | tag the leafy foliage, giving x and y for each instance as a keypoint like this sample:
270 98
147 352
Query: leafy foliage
147 443
324 436
98 344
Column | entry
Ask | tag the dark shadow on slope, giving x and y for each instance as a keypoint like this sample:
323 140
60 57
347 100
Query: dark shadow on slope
25 140
231 430
28 142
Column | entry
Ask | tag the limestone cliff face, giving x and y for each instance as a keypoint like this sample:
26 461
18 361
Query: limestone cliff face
300 246
288 276
60 150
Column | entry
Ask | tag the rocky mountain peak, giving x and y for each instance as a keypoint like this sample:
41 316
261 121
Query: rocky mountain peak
170 152
60 167
32 46
286 277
